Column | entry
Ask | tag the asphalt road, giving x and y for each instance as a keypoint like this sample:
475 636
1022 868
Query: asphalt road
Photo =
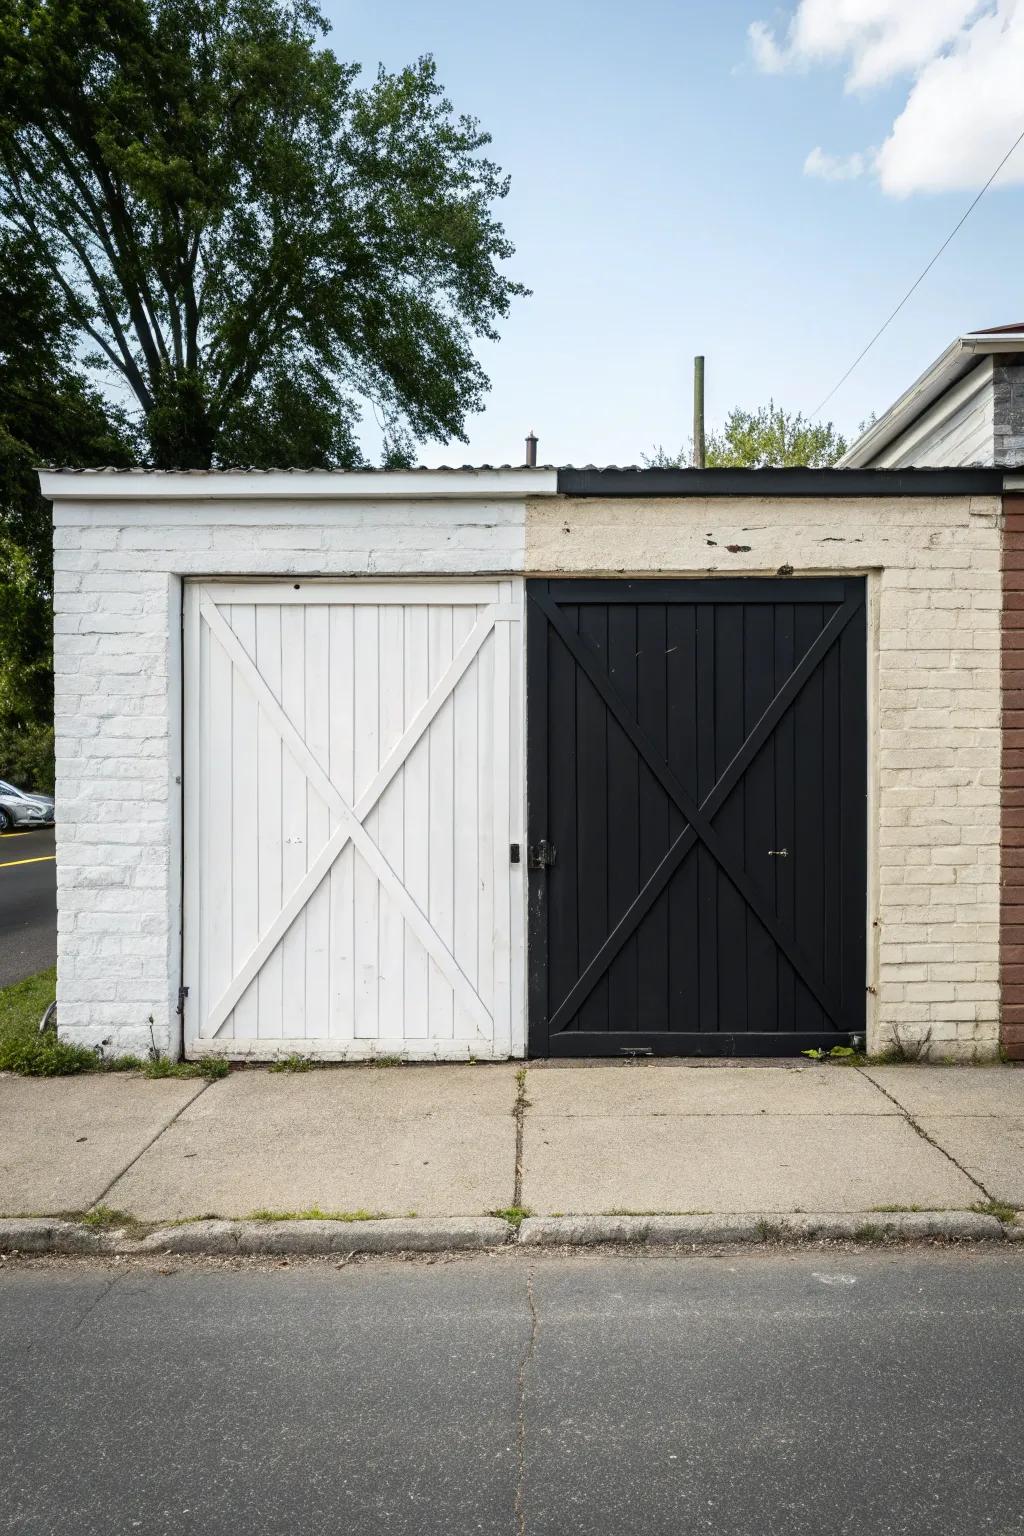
803 1394
28 904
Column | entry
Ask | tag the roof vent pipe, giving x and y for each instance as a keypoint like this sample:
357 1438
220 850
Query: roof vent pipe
531 451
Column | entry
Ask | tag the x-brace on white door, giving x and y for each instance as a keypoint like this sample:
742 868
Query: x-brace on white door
353 783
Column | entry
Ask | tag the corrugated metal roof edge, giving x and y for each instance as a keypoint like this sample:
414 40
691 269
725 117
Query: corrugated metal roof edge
630 480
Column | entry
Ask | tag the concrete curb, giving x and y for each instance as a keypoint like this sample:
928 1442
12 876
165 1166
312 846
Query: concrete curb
44 1234
572 1231
583 1231
219 1238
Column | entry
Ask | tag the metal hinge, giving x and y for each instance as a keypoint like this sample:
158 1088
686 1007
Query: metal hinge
182 994
540 855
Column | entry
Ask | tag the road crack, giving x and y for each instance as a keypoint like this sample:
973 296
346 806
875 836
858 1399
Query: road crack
521 1375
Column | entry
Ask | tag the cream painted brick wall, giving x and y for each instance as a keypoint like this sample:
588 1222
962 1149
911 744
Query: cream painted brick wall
117 619
935 606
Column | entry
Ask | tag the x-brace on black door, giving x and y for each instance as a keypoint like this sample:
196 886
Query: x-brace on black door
697 815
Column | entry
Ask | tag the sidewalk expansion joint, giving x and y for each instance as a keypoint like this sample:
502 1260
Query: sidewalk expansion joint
152 1140
519 1112
908 1117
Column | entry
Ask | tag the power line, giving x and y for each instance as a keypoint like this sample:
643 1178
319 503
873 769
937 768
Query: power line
918 281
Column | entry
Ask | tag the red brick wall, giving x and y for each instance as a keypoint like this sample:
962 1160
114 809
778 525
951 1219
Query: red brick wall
1012 886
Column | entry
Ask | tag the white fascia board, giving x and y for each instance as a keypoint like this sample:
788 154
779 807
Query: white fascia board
295 485
957 359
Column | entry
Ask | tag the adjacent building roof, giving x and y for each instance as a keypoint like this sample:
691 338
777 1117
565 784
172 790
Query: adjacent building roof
965 353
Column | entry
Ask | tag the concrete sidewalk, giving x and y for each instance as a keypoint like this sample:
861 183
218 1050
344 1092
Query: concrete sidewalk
644 1137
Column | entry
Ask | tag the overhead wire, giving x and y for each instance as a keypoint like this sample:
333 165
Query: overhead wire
918 280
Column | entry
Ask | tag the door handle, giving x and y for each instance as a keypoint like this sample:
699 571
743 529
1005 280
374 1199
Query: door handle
778 853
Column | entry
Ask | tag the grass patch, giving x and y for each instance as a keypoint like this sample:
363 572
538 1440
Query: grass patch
210 1067
314 1213
869 1232
103 1217
768 1231
894 1210
997 1208
385 1061
23 1049
515 1215
292 1063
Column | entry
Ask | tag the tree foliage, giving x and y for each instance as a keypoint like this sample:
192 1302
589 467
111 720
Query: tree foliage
767 438
205 215
48 413
250 240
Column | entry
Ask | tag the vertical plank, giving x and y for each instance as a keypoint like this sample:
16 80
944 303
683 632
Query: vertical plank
295 794
416 831
342 770
729 823
707 869
684 728
193 755
317 679
538 939
441 823
366 891
559 886
506 874
784 755
217 910
501 756
466 847
853 683
490 825
245 843
623 817
391 821
655 819
271 821
592 812
808 853
759 815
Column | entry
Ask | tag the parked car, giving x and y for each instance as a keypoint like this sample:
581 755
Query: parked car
17 809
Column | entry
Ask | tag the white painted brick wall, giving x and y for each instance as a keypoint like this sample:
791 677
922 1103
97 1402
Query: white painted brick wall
935 595
117 604
935 599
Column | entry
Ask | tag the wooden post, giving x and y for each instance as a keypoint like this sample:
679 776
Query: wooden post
698 413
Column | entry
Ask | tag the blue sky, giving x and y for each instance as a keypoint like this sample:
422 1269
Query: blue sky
660 207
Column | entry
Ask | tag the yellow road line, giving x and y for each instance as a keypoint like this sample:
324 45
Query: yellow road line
30 833
44 858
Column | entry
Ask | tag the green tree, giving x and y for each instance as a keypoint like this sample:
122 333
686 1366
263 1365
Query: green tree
48 414
253 243
204 214
766 438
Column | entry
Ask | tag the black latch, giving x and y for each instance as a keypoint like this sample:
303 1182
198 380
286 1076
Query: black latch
182 994
513 853
540 855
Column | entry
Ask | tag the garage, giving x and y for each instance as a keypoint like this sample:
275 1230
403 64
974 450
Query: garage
453 764
352 789
697 793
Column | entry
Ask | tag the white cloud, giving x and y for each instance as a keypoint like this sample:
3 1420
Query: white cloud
964 108
835 167
964 111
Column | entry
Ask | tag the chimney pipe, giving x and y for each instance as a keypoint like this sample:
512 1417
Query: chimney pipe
531 451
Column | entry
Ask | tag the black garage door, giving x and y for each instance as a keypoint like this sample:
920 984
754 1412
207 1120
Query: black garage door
697 815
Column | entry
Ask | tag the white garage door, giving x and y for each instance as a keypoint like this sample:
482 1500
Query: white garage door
352 787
